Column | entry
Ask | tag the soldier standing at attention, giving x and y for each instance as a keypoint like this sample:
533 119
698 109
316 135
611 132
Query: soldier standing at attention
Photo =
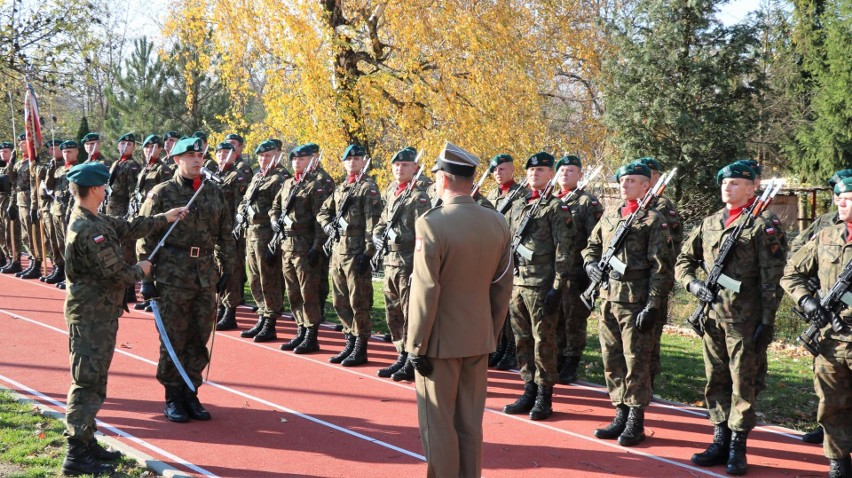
241 163
460 292
170 139
543 255
824 258
265 278
502 169
732 331
26 203
351 253
97 275
10 239
631 302
193 265
586 211
57 181
399 261
45 202
122 180
92 145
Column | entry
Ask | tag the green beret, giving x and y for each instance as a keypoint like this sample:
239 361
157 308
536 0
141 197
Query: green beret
53 142
89 174
70 144
540 159
265 147
153 139
735 170
498 160
569 160
127 137
405 155
201 135
22 137
311 148
225 145
187 145
839 176
91 137
236 137
278 143
299 152
6 145
353 150
843 186
652 163
634 168
170 135
754 165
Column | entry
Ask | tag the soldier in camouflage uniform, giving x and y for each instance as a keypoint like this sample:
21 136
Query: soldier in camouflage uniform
170 139
737 320
193 265
502 169
92 145
264 274
351 253
45 201
243 165
399 260
586 211
631 302
57 182
823 259
122 180
294 213
97 275
9 247
543 252
27 205
234 185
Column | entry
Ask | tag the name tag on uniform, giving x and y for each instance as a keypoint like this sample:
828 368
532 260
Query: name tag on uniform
343 224
617 265
287 221
524 252
392 235
249 211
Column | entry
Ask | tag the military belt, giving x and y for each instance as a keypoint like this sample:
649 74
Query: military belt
191 251
630 275
400 247
537 260
299 230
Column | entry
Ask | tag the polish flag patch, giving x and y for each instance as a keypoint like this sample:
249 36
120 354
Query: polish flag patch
770 231
99 239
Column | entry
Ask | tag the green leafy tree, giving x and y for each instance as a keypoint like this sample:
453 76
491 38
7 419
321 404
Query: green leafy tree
83 130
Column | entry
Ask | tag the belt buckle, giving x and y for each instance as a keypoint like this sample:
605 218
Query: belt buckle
194 251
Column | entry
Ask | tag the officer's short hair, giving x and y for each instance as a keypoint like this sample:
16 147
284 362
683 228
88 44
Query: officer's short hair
79 191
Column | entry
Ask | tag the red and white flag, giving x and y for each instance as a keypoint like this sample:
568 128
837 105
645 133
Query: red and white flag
32 124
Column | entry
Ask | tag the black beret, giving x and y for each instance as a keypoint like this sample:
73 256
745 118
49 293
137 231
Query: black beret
91 137
236 137
540 159
127 137
569 160
634 168
225 145
170 135
200 134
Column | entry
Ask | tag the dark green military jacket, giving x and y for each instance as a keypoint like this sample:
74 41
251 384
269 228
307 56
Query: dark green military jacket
123 177
667 208
152 175
21 183
361 216
757 260
264 189
401 238
547 244
586 211
58 183
97 275
234 185
495 197
826 220
301 229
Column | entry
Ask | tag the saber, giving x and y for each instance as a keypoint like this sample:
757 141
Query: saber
164 336
191 200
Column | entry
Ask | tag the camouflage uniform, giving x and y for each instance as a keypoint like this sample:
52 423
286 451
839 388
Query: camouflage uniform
44 201
666 207
432 191
626 351
826 220
235 182
123 176
59 208
731 357
325 261
23 201
185 273
97 277
6 226
824 258
100 158
496 196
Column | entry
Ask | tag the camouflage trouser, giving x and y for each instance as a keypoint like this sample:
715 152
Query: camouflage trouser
5 228
535 335
325 267
58 226
662 319
626 353
91 346
233 293
833 384
302 282
32 232
397 282
265 280
353 295
763 361
188 315
730 364
47 225
573 319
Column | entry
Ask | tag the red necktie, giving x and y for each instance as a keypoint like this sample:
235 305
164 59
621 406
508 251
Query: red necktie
400 188
196 183
504 188
629 208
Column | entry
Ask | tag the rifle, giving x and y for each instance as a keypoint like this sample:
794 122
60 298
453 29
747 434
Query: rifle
479 183
241 225
396 212
338 222
608 261
272 247
837 299
716 280
504 206
517 248
136 196
583 183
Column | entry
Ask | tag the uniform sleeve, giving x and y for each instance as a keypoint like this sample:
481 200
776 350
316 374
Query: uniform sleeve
661 258
690 258
226 247
102 258
382 223
373 207
675 226
150 207
425 288
771 255
277 208
594 247
593 210
50 178
800 267
139 227
501 286
327 211
563 230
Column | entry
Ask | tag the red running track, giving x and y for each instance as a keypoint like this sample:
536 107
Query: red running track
280 414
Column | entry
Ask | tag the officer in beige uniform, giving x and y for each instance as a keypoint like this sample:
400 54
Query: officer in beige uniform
459 298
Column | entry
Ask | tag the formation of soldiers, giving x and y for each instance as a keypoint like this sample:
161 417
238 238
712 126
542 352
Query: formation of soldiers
292 228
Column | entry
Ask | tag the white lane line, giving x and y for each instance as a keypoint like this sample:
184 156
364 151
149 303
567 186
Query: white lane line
249 396
101 424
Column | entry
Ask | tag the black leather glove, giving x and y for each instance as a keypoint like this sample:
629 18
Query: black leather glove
645 319
222 282
698 289
34 215
594 271
276 227
313 257
149 291
378 244
814 311
12 211
238 219
763 336
551 301
329 230
422 364
362 264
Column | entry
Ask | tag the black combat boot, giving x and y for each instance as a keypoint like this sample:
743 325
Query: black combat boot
525 402
229 319
193 406
175 409
142 305
267 332
737 464
634 430
614 429
347 349
568 373
390 369
101 453
61 286
406 372
3 261
12 267
130 294
840 468
815 436
52 273
310 343
717 452
34 272
359 353
543 406
79 460
29 268
295 341
254 330
508 361
495 357
59 276
220 312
